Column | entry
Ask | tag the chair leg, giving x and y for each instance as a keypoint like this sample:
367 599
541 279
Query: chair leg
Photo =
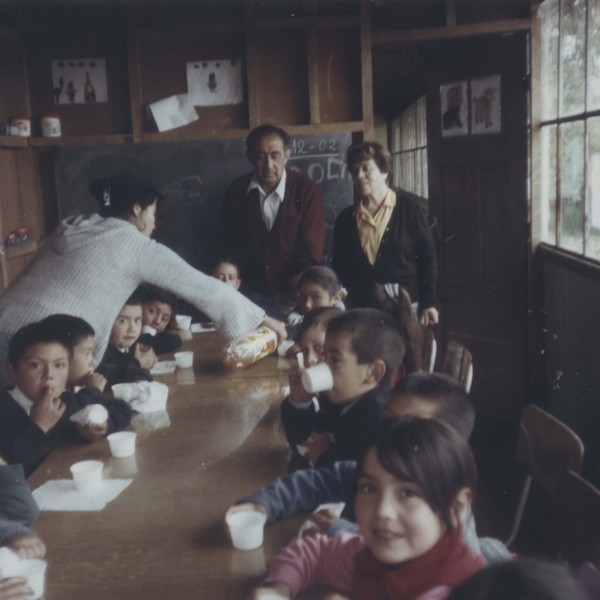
519 512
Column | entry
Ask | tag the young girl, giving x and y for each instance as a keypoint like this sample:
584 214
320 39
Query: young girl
126 360
398 304
317 286
159 308
414 488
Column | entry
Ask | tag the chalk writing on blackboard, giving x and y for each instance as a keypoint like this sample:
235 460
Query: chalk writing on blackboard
315 147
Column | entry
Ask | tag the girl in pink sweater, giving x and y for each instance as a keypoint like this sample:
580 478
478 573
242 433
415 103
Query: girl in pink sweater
415 485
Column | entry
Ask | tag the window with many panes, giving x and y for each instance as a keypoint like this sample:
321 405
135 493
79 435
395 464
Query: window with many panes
408 135
570 125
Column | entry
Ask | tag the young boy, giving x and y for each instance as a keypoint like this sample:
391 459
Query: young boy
228 271
363 348
159 308
34 415
126 360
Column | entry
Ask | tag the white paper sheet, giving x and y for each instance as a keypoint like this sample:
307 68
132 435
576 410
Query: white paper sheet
163 367
215 82
174 111
61 495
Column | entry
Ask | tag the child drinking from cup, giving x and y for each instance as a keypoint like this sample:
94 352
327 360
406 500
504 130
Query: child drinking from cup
126 359
159 311
363 349
415 484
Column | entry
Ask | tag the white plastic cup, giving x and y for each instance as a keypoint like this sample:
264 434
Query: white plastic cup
247 529
122 391
34 571
184 360
87 475
317 378
122 443
183 321
149 329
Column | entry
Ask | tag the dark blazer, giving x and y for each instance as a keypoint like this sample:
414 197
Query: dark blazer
268 259
406 254
121 367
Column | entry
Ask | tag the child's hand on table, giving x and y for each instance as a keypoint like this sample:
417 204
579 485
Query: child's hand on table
15 588
47 411
92 433
27 546
323 519
316 444
271 591
145 355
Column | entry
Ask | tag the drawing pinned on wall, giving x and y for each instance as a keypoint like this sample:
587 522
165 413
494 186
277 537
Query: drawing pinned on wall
454 109
215 82
79 81
485 105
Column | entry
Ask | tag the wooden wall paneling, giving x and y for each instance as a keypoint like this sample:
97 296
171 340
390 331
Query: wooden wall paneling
366 65
339 72
282 78
251 67
14 99
314 58
133 62
164 52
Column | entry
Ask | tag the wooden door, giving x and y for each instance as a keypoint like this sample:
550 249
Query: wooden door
478 201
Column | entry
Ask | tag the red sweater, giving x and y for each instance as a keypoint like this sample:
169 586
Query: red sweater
268 259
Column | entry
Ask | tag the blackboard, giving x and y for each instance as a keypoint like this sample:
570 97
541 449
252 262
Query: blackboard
193 177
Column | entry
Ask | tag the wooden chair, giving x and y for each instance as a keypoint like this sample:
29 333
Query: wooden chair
429 350
575 525
458 363
546 449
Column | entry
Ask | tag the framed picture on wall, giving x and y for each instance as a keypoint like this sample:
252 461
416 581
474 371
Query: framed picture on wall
485 105
454 109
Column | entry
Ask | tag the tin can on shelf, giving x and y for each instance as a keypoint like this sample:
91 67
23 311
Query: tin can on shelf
51 126
20 126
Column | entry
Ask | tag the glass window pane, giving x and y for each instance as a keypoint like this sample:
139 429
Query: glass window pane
571 156
396 134
548 184
421 123
425 193
548 12
593 73
397 170
592 245
572 53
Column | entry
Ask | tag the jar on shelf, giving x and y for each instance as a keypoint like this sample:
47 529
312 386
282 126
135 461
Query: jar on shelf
51 126
20 125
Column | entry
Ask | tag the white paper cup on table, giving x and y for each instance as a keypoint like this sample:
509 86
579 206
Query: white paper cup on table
149 329
122 443
247 529
183 321
87 475
123 391
34 571
317 378
184 360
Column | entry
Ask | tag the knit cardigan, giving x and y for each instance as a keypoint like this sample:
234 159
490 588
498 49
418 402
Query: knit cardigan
90 266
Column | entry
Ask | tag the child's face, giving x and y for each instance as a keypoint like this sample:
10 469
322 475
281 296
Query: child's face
350 379
312 295
127 326
408 405
228 274
311 344
396 521
42 366
83 362
156 314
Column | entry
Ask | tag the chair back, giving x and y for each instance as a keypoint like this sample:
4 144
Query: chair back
458 364
576 520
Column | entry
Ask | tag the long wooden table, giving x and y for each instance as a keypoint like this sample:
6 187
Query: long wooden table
163 536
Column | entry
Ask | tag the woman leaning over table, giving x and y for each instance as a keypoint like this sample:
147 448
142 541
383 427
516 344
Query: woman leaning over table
385 236
91 265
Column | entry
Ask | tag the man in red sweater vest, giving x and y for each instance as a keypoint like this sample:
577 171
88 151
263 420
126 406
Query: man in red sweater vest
273 219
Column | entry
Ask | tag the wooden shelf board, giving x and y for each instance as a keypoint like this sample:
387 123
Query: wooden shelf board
21 249
13 141
81 140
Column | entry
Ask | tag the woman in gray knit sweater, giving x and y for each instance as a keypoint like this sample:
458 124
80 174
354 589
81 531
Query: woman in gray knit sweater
90 266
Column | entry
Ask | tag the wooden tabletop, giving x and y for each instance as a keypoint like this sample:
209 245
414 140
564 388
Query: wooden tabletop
163 536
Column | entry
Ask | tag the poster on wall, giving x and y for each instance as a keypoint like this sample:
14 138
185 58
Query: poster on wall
215 82
454 109
485 105
79 81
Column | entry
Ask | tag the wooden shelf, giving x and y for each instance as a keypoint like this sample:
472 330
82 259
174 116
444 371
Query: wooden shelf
21 249
13 141
80 140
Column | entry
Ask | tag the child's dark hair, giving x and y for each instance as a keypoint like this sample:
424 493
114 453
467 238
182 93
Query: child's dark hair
373 335
117 195
322 276
521 579
136 299
428 453
448 397
370 294
320 316
35 333
75 329
226 260
153 293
